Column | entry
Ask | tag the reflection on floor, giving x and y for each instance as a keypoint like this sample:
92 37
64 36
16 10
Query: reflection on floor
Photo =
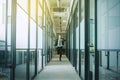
20 72
58 70
108 74
3 77
4 73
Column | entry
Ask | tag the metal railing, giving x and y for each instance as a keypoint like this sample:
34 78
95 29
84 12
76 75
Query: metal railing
107 53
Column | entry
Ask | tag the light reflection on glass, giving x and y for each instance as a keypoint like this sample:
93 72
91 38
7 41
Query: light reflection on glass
21 29
23 4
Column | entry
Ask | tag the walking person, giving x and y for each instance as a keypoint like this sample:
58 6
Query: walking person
59 46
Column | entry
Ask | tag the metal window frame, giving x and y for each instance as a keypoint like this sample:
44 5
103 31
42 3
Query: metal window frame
87 53
28 50
13 39
79 17
36 52
6 30
96 49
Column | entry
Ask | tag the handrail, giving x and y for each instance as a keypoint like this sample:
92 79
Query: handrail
27 49
108 49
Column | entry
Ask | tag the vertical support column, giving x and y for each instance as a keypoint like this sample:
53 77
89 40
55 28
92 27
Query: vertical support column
36 52
117 61
74 40
72 46
69 43
96 51
87 63
100 56
6 32
43 45
13 39
45 50
28 51
79 18
108 59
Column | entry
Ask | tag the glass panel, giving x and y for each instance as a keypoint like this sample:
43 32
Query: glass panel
2 21
33 9
108 38
40 38
92 40
113 60
23 4
71 41
9 58
21 44
82 63
77 46
21 29
82 41
39 57
5 56
77 38
32 47
32 34
44 46
21 59
32 63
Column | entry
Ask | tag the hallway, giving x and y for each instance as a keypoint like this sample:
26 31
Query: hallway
58 70
89 29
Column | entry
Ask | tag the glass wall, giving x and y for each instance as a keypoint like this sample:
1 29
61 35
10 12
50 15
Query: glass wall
21 29
21 43
108 13
27 39
40 38
77 37
47 34
40 33
107 40
32 47
28 57
5 39
71 41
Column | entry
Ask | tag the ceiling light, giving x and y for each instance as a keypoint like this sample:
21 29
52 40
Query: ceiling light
64 20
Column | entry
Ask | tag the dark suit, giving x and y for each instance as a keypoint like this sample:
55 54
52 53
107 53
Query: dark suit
59 49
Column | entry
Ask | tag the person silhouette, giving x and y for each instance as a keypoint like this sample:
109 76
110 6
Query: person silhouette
59 46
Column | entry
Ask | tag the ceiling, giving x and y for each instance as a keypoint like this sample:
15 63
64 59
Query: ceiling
60 11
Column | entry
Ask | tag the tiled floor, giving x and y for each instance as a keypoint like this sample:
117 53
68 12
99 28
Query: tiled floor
58 70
